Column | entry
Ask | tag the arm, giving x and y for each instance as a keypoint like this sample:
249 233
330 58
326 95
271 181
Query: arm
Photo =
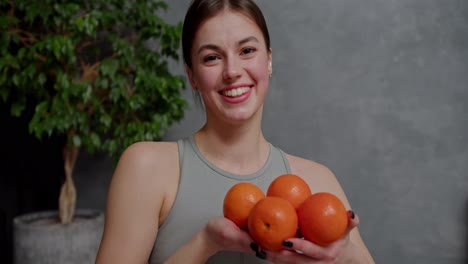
139 200
321 179
135 199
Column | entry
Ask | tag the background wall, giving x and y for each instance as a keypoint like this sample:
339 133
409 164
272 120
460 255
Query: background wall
377 90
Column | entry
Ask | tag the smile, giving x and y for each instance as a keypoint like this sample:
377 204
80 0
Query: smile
235 92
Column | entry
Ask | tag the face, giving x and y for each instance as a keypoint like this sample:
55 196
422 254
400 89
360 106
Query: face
230 67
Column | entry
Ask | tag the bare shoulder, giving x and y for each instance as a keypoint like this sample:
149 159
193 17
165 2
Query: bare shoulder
150 169
306 167
146 155
146 170
147 165
319 176
146 174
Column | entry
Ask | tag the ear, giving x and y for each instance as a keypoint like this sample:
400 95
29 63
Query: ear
190 76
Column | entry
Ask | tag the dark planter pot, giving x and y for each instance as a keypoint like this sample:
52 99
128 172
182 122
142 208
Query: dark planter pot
39 238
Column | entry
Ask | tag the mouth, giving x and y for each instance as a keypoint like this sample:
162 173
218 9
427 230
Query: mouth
235 92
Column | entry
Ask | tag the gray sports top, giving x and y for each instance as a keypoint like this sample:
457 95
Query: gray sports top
200 196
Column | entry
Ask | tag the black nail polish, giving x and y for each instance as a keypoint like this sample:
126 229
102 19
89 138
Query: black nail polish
287 244
261 254
351 214
254 247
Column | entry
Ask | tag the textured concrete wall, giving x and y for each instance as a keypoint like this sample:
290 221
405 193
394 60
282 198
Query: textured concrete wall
377 91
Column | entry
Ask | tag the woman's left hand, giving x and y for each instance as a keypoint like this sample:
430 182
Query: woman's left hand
299 250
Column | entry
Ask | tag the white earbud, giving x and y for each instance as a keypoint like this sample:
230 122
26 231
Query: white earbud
271 69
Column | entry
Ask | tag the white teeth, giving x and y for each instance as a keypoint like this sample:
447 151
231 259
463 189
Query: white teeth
235 92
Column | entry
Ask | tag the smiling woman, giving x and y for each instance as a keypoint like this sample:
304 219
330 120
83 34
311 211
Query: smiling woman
165 200
230 58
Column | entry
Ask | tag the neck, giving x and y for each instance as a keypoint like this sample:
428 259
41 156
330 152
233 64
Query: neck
239 149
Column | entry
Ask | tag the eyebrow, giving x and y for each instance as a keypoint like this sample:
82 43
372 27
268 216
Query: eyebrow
248 39
215 47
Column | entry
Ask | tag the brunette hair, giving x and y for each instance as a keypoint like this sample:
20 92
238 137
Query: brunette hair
201 10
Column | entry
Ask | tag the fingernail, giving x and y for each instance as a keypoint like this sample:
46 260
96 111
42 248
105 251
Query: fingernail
254 247
287 244
351 214
261 254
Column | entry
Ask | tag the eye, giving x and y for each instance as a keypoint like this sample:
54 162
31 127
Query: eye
248 50
210 58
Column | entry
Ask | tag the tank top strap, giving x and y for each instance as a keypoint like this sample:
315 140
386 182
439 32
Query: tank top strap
285 160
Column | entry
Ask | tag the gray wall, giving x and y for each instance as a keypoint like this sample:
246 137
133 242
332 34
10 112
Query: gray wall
377 90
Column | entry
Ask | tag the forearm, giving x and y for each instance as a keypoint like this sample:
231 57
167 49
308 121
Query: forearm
197 250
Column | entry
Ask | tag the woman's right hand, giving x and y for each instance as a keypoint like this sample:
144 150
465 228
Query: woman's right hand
223 234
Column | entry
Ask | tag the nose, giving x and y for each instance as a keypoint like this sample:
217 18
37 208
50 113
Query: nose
232 69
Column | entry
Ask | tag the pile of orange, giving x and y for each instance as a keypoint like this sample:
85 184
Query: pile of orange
288 208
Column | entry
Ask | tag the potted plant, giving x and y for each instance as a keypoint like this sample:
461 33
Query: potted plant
95 71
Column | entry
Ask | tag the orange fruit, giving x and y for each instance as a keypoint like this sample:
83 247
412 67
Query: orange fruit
322 218
290 187
271 221
239 200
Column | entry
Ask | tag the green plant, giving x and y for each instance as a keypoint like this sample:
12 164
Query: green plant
94 70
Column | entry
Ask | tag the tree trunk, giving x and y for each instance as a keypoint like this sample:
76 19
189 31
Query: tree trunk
67 199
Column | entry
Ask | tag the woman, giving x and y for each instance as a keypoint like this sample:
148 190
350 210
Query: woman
165 199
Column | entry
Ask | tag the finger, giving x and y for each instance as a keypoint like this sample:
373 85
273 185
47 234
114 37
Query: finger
243 239
226 230
353 221
261 254
306 248
289 256
311 252
254 247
